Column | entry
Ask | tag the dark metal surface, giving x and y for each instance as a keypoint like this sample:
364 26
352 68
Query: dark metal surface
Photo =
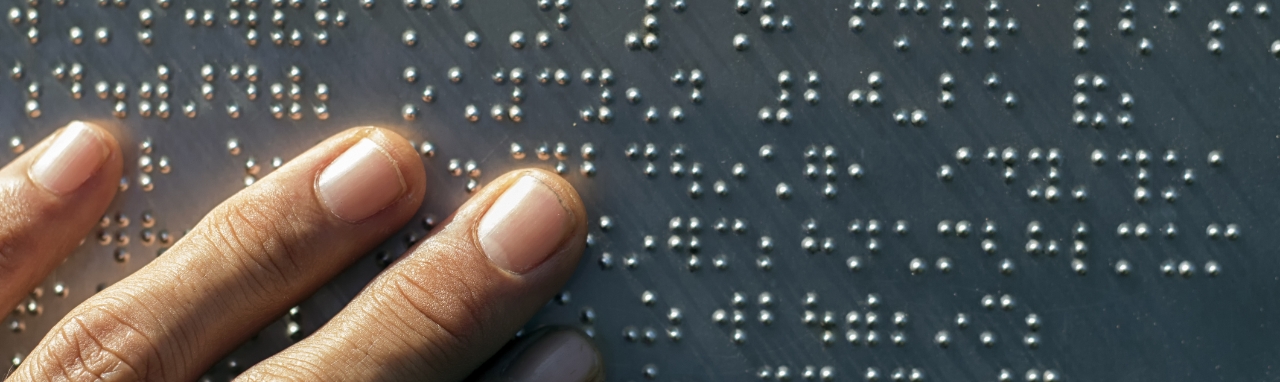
1200 90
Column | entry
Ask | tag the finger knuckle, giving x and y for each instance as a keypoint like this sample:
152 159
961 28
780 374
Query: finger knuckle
454 313
286 367
15 226
257 237
99 344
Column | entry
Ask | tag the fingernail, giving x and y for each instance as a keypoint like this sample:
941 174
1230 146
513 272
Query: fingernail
360 182
73 156
523 226
564 355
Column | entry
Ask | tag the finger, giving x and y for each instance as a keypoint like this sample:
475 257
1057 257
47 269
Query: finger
50 197
252 257
440 311
549 354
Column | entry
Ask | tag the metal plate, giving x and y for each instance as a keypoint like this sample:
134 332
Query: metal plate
1152 124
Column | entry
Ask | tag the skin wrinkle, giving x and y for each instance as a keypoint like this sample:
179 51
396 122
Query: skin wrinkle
407 196
57 337
243 289
73 365
227 302
94 370
219 239
441 333
234 238
299 222
186 320
39 228
348 333
464 296
109 310
447 261
183 343
263 248
67 366
301 366
415 296
256 286
443 336
204 244
436 276
17 219
366 358
364 354
186 340
260 287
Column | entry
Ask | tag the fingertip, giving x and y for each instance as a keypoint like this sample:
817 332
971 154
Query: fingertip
537 217
548 354
476 280
564 190
396 145
73 156
105 137
402 154
113 167
53 195
108 139
575 241
371 170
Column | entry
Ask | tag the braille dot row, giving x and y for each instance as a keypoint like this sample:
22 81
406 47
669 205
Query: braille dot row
784 373
1186 269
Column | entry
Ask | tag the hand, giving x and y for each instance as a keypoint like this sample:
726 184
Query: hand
437 313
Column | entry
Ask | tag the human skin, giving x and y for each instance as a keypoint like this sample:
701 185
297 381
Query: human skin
438 313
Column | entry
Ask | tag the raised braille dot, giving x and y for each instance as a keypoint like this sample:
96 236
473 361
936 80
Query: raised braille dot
989 246
409 112
739 170
1215 158
1212 268
1031 340
1214 46
516 39
764 263
1213 231
471 113
962 228
1081 26
409 37
516 114
454 74
1007 266
1124 230
1235 9
604 115
1216 27
1232 232
1123 268
987 339
1142 230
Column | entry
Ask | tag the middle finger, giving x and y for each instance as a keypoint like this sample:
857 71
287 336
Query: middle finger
252 257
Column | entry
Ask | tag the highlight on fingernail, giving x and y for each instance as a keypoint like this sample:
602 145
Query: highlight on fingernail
524 226
76 153
360 182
